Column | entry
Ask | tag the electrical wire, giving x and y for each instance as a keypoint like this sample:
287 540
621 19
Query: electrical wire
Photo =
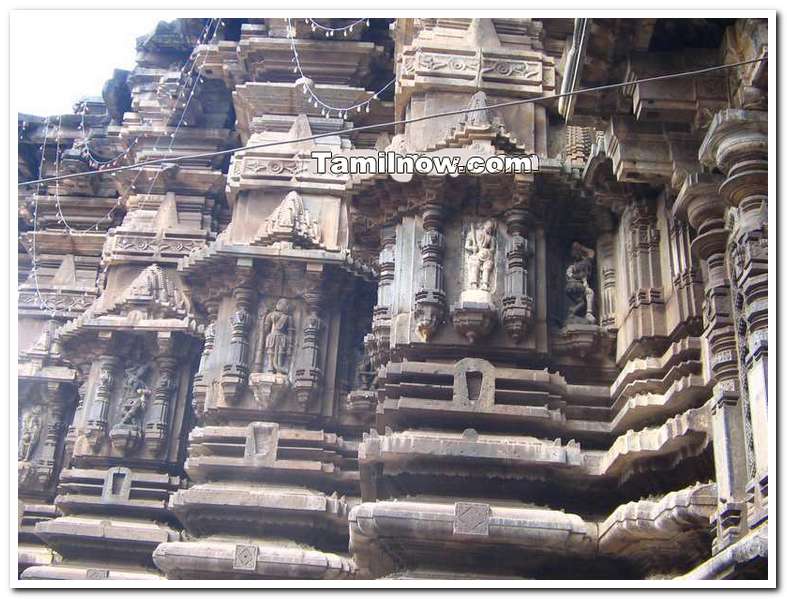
406 121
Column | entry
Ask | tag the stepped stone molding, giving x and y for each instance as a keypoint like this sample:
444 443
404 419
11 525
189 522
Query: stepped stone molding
224 558
233 366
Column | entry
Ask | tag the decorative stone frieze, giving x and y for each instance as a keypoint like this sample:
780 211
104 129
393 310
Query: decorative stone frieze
235 366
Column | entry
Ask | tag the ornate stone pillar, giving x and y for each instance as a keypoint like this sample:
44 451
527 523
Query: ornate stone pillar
642 329
686 280
699 202
97 418
57 409
737 143
381 316
156 428
430 297
308 374
201 384
81 396
235 373
645 260
517 302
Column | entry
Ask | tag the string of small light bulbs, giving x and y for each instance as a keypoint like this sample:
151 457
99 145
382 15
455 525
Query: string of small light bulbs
34 255
181 88
181 121
331 31
52 311
326 109
96 162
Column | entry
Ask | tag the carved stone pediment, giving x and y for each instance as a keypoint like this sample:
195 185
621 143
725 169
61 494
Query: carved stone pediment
154 294
290 224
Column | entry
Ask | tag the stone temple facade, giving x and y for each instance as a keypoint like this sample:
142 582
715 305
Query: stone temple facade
233 366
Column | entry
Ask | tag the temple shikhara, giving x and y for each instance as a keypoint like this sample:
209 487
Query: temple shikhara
234 366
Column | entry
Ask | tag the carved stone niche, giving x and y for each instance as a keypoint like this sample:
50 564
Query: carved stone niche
287 345
475 314
273 353
580 334
42 411
361 402
134 401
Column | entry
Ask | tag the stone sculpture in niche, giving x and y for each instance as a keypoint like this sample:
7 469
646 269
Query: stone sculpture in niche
580 335
31 433
480 246
276 328
475 314
273 355
362 400
126 435
579 293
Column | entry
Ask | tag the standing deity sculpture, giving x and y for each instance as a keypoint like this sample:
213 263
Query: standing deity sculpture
277 327
579 293
31 433
480 246
127 433
272 355
474 315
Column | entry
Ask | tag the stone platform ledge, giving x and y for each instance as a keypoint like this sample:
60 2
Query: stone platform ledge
750 549
211 559
638 532
34 555
66 572
261 505
383 534
422 451
483 523
667 530
127 536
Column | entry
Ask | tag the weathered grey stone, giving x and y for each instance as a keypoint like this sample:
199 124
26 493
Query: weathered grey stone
238 367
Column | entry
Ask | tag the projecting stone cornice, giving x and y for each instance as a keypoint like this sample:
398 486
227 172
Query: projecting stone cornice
97 571
99 536
653 531
263 451
226 557
253 508
649 392
514 456
664 533
221 252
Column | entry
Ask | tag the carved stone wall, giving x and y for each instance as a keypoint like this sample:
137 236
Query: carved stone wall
238 367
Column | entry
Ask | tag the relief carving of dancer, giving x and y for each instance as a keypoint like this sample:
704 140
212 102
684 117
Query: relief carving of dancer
579 293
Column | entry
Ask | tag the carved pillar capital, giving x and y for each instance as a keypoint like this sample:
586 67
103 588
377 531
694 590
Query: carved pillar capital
737 143
699 203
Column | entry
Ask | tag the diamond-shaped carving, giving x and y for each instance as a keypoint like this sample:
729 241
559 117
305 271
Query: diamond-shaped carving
245 557
471 519
96 574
